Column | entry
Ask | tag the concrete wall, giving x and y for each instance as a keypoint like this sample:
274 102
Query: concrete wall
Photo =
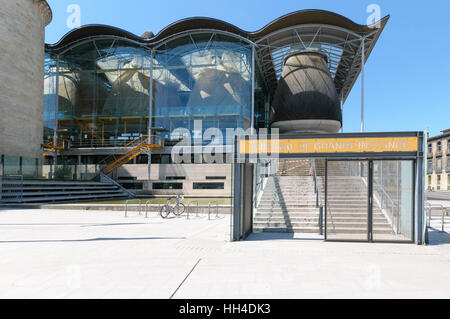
192 172
21 76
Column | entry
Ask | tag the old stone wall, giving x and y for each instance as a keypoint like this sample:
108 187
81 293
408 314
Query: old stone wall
21 76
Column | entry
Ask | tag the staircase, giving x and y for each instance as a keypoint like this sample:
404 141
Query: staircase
138 146
347 208
288 205
289 167
43 191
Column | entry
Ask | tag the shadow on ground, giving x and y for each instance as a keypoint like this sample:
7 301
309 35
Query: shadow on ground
86 240
436 237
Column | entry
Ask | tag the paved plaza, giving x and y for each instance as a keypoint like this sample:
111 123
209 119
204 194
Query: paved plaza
101 254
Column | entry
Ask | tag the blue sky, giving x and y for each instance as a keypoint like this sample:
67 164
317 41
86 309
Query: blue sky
407 75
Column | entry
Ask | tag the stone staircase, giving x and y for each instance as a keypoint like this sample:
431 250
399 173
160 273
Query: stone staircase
44 191
347 208
289 167
288 205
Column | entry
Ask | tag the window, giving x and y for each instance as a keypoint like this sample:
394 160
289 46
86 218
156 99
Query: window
430 148
439 146
215 177
439 183
167 185
132 185
175 178
209 186
430 165
439 164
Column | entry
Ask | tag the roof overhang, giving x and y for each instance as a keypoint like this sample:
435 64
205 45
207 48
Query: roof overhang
338 37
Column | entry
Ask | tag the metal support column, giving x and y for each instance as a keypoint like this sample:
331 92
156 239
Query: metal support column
363 62
342 111
236 216
252 120
421 229
55 131
150 117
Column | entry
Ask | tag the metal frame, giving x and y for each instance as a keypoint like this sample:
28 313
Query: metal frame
346 51
418 233
370 238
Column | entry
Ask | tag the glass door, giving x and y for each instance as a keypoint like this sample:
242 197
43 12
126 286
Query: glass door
392 204
347 201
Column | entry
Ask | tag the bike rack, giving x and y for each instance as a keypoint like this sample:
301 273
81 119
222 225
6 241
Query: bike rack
443 210
189 206
209 209
132 200
146 206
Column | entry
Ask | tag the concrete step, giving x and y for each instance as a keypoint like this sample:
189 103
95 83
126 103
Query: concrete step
286 207
304 230
356 232
72 193
299 210
64 198
273 224
62 187
53 183
314 220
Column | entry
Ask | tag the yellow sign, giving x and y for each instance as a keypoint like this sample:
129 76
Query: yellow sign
330 145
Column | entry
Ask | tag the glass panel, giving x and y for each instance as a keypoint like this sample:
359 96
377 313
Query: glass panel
347 200
203 77
392 200
11 165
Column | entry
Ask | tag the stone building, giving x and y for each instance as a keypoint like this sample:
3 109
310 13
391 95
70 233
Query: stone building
21 86
438 162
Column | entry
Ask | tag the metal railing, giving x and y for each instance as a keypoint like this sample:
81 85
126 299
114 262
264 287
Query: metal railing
150 202
138 145
133 200
188 209
429 211
209 209
11 188
383 198
318 193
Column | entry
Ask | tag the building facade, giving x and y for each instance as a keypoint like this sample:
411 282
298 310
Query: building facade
438 162
21 72
105 89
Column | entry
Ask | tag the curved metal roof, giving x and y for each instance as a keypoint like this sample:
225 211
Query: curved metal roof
337 36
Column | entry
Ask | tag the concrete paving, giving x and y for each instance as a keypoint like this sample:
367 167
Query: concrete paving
100 254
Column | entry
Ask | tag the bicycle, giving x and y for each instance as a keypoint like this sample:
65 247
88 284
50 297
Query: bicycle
177 209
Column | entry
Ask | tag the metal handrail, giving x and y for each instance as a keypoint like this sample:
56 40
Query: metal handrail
209 209
146 206
189 205
132 200
319 203
393 204
152 140
444 211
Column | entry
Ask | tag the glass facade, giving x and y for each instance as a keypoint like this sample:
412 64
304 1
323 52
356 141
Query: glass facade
97 92
102 95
